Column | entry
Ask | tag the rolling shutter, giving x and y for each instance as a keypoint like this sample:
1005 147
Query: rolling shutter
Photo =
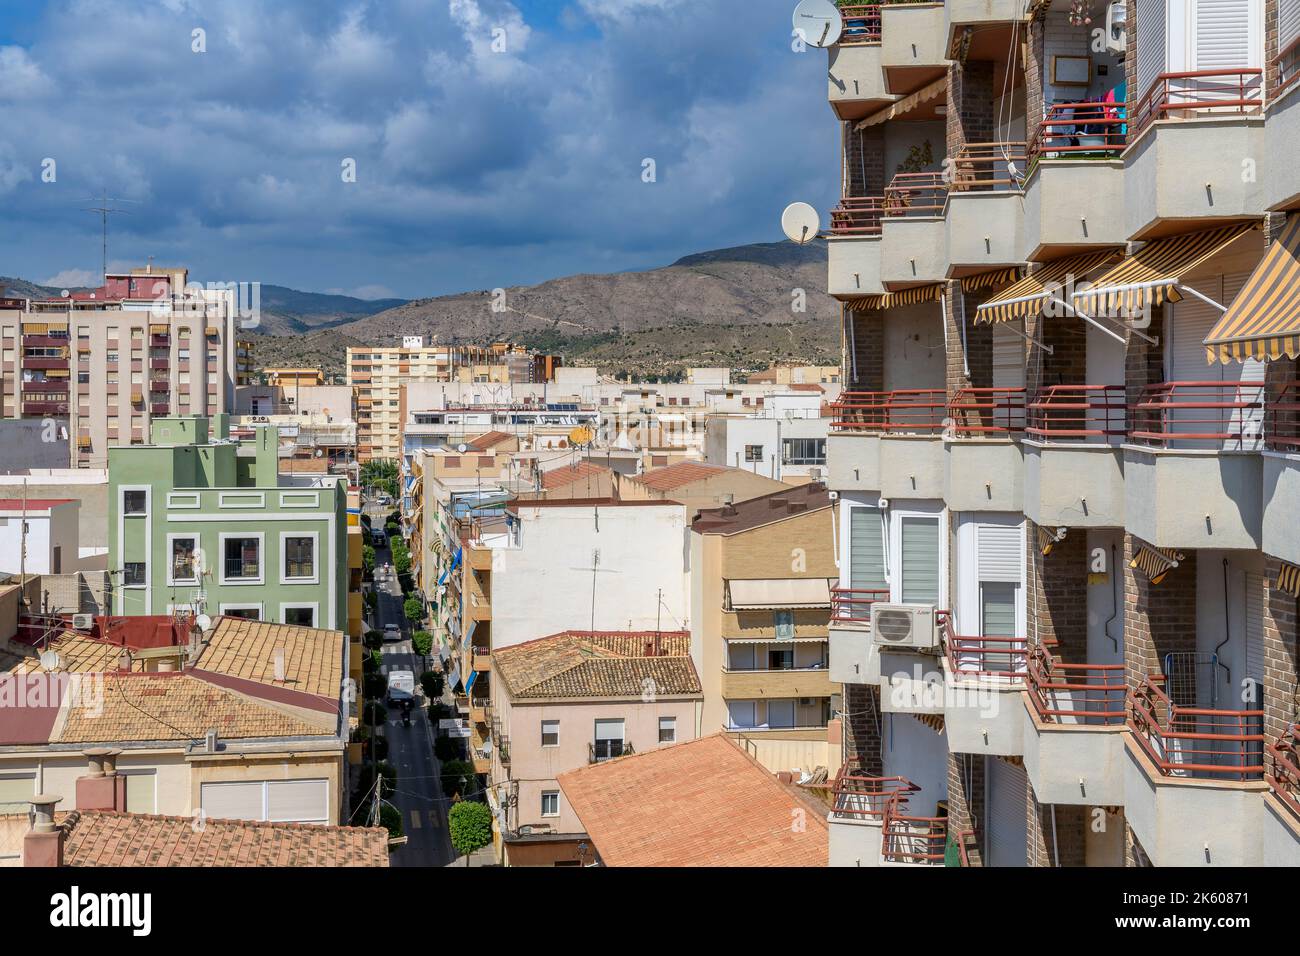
1222 35
920 537
1150 43
16 793
1008 355
1007 834
866 550
232 801
1001 549
141 792
1288 24
298 801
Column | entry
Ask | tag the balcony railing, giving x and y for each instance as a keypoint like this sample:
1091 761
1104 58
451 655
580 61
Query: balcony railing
1196 741
1091 694
1227 415
980 655
1079 413
988 412
601 750
910 839
915 194
917 411
857 216
1090 130
854 604
1282 420
1184 95
855 796
1283 773
985 167
861 24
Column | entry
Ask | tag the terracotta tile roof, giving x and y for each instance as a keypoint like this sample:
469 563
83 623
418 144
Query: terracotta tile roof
766 509
805 387
177 706
313 657
98 838
489 440
700 803
675 476
78 654
597 664
567 475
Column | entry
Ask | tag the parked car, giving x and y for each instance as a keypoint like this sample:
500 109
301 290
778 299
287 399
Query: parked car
392 632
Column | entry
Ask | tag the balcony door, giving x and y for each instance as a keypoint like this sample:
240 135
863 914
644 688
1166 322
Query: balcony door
1216 37
609 739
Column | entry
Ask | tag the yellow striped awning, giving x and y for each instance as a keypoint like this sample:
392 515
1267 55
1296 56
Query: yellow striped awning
987 280
1156 563
894 300
1263 321
1031 293
1150 276
1288 579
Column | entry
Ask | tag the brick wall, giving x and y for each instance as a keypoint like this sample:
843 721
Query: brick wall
1069 845
862 728
1277 376
1157 618
966 803
1144 362
970 104
1281 660
1034 47
864 161
1058 594
1270 45
978 352
1130 61
868 342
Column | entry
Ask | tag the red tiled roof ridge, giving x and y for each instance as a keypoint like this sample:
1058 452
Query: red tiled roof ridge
571 632
74 816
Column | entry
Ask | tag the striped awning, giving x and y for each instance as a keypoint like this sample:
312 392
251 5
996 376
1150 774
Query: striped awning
1151 275
1031 293
894 300
1049 537
987 280
931 91
933 721
1156 563
1263 321
1288 579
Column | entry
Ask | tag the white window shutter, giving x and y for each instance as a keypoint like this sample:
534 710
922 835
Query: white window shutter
232 801
1151 53
298 801
1001 552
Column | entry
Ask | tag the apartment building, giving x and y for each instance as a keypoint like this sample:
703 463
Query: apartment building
39 535
784 440
761 578
197 521
316 422
104 364
572 700
1067 438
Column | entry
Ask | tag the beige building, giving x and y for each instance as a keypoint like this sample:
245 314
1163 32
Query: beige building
695 485
761 572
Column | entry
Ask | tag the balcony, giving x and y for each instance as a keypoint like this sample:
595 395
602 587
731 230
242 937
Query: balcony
601 750
1074 194
159 408
913 45
44 407
1282 475
984 676
45 361
1074 731
482 659
979 13
1188 136
159 363
1074 465
853 248
912 251
1193 472
160 339
854 657
1193 780
985 468
906 427
857 815
159 385
986 213
738 684
908 840
855 80
1282 806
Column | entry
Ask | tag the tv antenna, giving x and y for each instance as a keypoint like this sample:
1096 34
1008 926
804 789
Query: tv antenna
105 208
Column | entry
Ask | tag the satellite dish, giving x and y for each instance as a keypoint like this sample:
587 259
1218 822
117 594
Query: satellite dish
65 293
582 435
818 22
462 448
800 222
203 622
50 660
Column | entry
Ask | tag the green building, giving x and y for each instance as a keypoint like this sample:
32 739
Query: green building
196 520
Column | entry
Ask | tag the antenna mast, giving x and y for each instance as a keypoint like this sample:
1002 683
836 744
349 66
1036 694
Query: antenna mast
105 210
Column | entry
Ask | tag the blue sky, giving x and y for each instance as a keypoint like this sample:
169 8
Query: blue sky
475 167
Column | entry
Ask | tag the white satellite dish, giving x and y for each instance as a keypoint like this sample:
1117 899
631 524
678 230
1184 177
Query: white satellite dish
818 22
462 448
65 293
203 622
800 222
50 660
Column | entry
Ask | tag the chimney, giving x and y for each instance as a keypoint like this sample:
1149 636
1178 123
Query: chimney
43 843
102 788
728 504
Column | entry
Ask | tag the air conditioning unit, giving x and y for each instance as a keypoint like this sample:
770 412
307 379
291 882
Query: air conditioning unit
1116 34
807 701
908 626
83 622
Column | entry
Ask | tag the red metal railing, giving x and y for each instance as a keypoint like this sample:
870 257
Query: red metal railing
1079 413
857 216
1178 95
1091 694
987 412
1087 129
1172 414
861 24
915 194
1283 773
983 655
980 167
1282 419
911 839
1196 741
857 796
854 604
917 411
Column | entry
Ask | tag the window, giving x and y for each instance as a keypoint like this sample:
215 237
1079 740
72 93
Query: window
135 502
133 573
550 803
299 557
609 739
184 560
141 790
803 451
753 453
740 657
280 801
241 558
299 615
780 660
783 621
920 544
866 554
780 713
667 730
247 612
16 792
550 733
740 714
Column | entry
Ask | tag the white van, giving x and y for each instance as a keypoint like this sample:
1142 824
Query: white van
401 686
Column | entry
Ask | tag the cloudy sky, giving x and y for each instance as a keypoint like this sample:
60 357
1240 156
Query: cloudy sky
475 166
